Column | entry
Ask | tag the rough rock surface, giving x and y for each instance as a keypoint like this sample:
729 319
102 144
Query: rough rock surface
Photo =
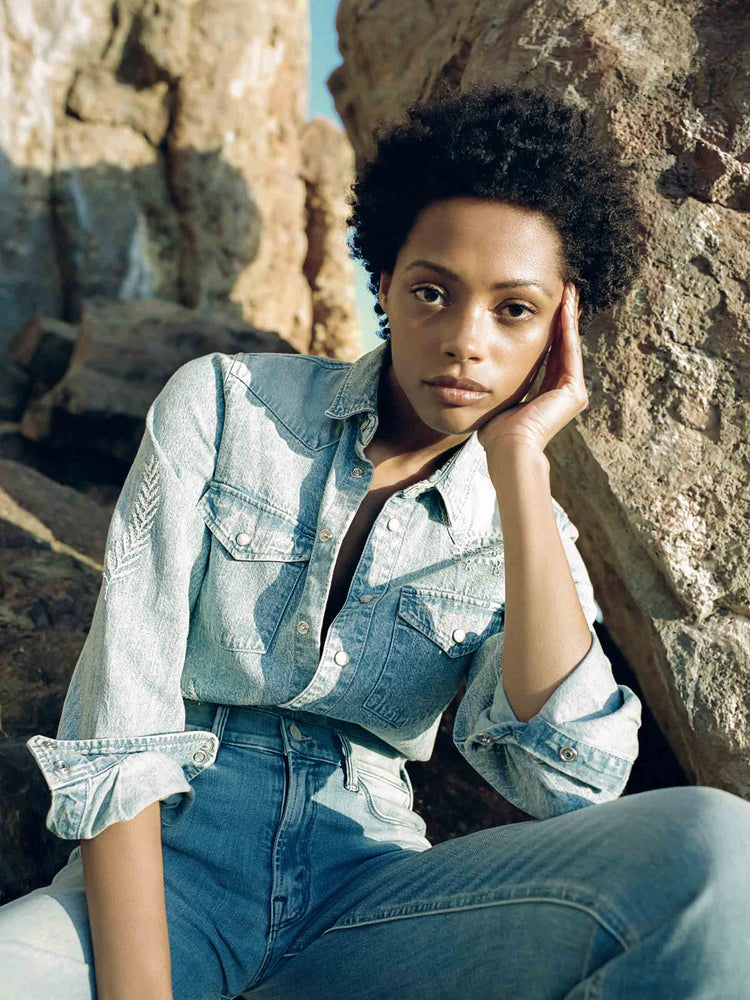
655 472
123 356
51 549
154 150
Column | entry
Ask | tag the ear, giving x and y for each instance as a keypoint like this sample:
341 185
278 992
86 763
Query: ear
385 284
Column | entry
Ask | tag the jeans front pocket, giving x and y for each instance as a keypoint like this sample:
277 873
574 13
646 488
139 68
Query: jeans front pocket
389 798
257 558
434 636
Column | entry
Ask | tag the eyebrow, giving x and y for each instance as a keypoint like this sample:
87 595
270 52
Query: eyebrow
515 283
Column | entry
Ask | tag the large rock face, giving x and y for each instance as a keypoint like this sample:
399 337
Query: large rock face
155 150
655 472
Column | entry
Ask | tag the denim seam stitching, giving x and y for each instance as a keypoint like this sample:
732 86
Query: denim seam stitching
497 902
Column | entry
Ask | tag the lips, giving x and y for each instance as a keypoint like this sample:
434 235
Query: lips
453 391
453 382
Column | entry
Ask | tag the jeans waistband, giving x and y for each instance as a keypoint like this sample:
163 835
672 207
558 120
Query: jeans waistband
273 728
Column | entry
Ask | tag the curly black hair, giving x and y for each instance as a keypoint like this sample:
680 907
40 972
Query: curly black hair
521 145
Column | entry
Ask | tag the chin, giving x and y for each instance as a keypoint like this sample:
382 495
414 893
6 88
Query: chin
452 420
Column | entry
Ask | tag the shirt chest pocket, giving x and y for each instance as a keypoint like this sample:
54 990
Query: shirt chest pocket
434 635
257 558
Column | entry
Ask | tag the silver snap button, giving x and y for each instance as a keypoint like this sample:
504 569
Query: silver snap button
365 598
243 538
356 473
392 524
342 658
568 753
60 765
459 635
295 731
303 628
326 534
484 738
199 756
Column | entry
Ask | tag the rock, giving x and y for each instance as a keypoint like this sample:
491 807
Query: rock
153 150
328 171
15 390
655 472
51 545
113 213
98 406
42 349
96 96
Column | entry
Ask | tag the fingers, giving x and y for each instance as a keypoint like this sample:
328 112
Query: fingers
572 355
564 363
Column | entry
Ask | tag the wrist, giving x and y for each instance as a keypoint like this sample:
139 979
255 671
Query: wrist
509 461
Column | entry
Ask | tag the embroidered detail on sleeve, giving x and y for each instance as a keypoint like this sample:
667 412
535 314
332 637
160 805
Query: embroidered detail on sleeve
122 556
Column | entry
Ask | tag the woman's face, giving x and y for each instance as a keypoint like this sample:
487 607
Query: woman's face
475 292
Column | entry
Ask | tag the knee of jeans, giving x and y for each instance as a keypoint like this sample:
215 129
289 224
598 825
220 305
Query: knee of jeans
713 830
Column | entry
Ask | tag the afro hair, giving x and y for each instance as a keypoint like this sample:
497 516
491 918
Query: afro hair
524 146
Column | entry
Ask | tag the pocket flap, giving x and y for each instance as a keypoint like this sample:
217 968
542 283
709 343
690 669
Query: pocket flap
456 622
252 529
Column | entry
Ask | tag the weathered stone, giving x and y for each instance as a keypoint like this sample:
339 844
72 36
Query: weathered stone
42 348
152 149
15 390
655 472
113 212
158 44
51 546
327 169
40 45
99 404
96 96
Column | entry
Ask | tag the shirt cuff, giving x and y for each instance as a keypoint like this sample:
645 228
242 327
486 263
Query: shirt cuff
106 780
587 728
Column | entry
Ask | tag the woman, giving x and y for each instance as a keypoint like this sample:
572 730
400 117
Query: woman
306 560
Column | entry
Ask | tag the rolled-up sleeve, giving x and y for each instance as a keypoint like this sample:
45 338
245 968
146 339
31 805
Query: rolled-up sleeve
121 742
580 747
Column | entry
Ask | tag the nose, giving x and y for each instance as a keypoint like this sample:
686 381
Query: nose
466 336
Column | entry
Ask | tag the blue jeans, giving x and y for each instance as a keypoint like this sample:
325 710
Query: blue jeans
302 872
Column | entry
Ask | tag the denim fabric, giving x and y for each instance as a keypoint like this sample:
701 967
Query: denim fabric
218 562
302 873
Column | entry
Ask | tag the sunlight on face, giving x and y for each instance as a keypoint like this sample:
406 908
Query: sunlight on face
446 318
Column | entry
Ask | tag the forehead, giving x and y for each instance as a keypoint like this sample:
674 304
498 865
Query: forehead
484 234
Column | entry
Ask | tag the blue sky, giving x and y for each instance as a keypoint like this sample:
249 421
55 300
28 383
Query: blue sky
324 59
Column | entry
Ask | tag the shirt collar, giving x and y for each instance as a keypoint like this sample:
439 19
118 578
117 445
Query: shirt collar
358 391
466 469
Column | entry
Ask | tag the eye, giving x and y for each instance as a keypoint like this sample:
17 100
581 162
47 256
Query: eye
426 288
519 305
526 310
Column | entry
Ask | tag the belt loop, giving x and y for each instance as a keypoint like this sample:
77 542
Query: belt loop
220 720
350 768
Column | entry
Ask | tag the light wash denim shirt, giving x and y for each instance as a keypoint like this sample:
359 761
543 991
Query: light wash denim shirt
218 562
